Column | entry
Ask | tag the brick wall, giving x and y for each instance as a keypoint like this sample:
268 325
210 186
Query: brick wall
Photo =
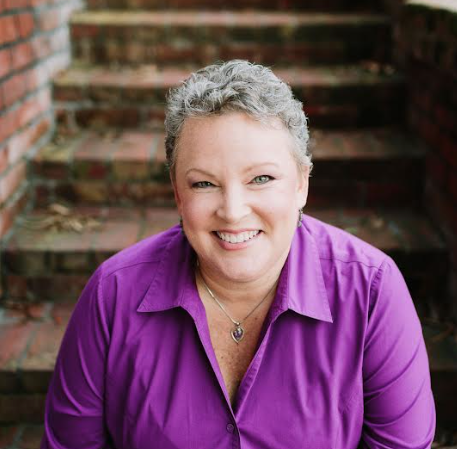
427 48
34 46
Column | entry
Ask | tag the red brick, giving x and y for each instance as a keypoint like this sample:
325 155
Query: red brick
41 46
8 124
26 24
14 339
36 77
3 159
22 55
8 30
49 20
5 62
8 214
11 181
16 4
41 356
22 142
14 89
33 107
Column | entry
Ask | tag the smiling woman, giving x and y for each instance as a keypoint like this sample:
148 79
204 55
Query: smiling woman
251 325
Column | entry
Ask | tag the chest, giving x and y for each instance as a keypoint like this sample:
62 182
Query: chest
234 358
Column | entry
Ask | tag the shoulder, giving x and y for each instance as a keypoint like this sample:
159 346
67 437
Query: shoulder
338 246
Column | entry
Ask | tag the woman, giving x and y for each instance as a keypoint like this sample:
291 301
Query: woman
250 325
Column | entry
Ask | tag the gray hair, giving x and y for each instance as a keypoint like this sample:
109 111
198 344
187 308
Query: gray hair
236 86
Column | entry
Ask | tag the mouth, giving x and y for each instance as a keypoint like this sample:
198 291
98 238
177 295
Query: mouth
237 238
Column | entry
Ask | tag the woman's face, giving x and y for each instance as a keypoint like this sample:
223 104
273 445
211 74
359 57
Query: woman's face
238 190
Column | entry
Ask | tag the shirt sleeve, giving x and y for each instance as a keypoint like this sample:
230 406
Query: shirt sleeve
399 409
74 416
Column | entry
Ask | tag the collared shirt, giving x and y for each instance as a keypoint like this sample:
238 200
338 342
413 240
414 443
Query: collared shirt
340 363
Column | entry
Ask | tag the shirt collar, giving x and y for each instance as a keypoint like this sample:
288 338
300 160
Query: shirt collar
301 286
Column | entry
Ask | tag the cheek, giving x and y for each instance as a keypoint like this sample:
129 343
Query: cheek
197 209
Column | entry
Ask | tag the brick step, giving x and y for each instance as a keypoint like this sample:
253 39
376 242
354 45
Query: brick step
164 37
308 5
373 167
346 95
32 344
46 260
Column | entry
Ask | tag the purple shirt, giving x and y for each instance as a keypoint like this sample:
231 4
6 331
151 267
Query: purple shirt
340 363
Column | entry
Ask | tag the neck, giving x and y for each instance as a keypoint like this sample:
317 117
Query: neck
241 296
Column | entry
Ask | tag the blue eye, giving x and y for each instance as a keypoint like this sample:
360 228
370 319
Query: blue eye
262 179
202 184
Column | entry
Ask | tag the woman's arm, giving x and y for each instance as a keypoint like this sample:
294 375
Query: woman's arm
399 406
74 416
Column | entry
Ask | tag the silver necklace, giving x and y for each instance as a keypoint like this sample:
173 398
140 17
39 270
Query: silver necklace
238 332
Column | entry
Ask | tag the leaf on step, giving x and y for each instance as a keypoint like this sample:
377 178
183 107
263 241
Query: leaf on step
61 218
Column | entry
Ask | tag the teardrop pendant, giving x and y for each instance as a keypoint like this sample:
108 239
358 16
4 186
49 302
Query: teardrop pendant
237 333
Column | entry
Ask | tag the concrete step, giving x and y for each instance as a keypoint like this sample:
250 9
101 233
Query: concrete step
29 346
358 168
202 37
309 5
52 253
341 96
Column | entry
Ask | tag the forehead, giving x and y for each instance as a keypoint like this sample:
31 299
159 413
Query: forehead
234 137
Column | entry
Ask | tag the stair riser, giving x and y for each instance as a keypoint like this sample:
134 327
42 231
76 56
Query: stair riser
309 5
339 107
205 45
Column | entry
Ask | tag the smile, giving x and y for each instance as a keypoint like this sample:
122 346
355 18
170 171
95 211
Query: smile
240 237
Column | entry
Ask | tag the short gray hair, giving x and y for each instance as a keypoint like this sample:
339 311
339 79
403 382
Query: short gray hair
236 86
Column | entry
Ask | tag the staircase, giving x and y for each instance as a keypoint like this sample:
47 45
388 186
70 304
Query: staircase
107 163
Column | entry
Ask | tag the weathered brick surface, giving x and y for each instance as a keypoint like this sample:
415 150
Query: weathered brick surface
427 46
33 47
203 37
338 96
374 167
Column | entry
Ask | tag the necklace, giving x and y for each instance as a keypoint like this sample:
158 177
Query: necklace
238 332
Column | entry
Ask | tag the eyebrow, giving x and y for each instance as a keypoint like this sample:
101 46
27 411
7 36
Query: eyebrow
250 168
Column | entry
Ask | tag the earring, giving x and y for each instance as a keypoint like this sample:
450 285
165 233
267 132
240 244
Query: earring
300 217
181 226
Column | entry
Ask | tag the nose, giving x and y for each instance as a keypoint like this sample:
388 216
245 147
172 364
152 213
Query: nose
234 205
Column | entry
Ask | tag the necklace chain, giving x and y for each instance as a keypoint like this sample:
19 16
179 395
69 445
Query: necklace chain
238 333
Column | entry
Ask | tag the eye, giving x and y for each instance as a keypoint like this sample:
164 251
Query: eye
262 179
201 185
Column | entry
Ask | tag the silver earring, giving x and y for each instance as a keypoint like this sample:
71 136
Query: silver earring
300 217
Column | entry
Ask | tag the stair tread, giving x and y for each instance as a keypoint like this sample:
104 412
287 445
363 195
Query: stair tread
151 76
250 18
389 230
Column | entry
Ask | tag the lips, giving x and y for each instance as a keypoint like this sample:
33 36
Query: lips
239 237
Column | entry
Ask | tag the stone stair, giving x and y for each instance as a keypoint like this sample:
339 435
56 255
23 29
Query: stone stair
107 163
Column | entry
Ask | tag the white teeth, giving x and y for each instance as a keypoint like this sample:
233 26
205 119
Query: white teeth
237 238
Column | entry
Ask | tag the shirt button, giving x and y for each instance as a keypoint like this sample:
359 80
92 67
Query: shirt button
230 428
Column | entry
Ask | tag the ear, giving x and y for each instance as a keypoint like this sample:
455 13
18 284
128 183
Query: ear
303 185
